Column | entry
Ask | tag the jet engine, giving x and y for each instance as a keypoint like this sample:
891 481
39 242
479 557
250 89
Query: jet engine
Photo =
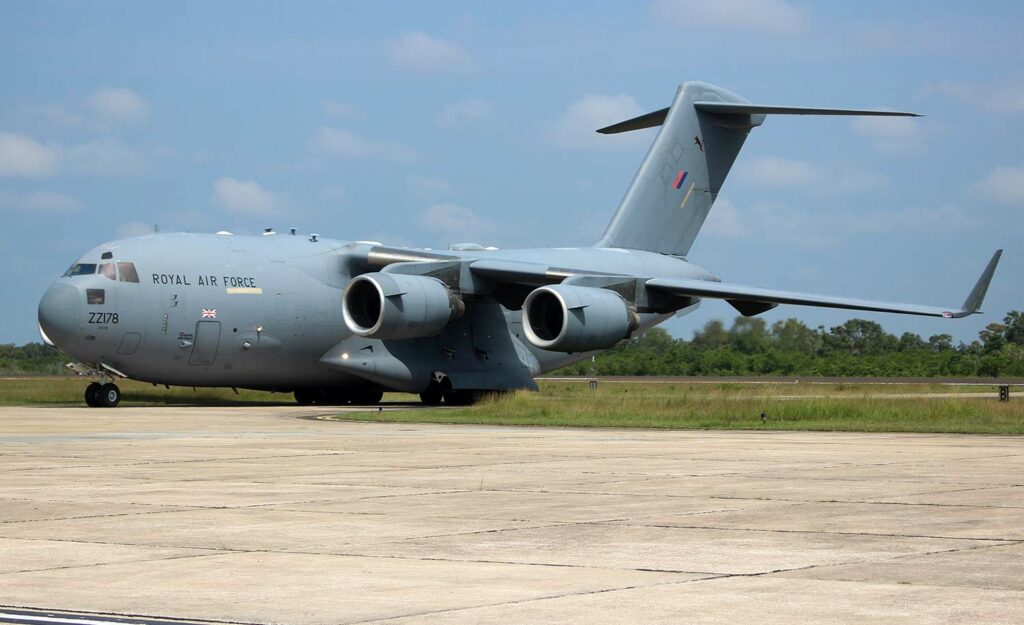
397 306
566 318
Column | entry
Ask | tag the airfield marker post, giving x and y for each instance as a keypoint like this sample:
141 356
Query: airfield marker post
1004 392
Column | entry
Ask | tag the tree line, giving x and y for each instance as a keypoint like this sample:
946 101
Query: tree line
747 347
789 347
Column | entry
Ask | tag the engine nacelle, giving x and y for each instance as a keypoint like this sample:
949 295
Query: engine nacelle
566 318
398 306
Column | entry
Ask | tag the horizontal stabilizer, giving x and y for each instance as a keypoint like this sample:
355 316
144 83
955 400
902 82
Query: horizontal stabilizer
737 292
742 108
657 118
650 120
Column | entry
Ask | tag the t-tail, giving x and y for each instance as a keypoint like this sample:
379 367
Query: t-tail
679 179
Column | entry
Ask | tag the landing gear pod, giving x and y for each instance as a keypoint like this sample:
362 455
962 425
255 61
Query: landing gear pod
396 306
565 318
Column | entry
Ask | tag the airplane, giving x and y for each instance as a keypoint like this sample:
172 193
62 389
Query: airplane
340 322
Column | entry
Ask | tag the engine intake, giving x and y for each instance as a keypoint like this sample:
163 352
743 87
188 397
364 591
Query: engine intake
397 306
566 318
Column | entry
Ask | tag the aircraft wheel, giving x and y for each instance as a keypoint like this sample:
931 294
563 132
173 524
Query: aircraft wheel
432 396
305 396
92 398
368 398
333 397
109 395
461 397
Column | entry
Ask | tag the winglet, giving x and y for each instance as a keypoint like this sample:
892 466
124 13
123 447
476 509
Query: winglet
973 302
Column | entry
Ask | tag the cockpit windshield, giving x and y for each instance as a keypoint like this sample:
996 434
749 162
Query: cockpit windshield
80 269
107 270
122 271
126 272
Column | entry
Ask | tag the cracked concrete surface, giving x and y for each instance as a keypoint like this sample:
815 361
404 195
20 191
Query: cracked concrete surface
268 515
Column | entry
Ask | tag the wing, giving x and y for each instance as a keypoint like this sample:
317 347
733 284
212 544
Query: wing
753 296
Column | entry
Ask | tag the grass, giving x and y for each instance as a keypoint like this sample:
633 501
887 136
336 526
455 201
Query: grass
860 408
725 405
54 391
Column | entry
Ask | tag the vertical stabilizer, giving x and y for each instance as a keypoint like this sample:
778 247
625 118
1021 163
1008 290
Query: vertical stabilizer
672 193
700 136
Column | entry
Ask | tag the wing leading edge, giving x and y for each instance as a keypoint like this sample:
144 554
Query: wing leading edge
724 290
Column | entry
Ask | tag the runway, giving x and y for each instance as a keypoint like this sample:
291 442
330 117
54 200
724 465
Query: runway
270 515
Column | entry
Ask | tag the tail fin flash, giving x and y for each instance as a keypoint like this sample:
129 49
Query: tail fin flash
679 179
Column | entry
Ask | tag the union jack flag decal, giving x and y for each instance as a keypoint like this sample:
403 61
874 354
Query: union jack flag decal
209 313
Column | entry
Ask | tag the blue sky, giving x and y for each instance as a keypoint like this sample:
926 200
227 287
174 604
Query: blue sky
428 123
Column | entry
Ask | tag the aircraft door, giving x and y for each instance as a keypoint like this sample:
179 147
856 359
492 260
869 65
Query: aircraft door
206 342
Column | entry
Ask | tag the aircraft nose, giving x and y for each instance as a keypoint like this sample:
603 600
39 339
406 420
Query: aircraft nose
60 313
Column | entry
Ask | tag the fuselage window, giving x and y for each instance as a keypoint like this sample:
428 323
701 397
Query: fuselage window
80 269
126 272
95 296
108 270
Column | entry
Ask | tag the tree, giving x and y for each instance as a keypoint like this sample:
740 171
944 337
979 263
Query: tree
1014 324
860 336
911 342
712 335
993 337
940 342
792 335
748 335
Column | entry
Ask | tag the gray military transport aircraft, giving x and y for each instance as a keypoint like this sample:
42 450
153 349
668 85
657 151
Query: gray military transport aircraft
339 322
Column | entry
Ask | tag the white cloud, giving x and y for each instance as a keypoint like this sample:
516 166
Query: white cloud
1003 98
117 106
104 157
245 197
578 124
465 112
724 221
779 172
56 114
457 223
341 110
816 229
769 16
427 187
892 134
1004 184
421 53
342 143
21 155
39 201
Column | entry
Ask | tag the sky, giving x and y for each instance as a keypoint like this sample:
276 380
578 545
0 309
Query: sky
426 124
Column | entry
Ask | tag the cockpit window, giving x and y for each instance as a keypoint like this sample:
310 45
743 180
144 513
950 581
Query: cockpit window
95 297
108 270
126 272
80 269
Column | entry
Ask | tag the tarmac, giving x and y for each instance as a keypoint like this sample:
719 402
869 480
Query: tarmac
271 515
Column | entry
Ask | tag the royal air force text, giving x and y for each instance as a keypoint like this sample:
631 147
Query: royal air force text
204 280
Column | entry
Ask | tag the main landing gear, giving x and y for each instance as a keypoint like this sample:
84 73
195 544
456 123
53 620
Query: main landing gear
102 395
440 391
